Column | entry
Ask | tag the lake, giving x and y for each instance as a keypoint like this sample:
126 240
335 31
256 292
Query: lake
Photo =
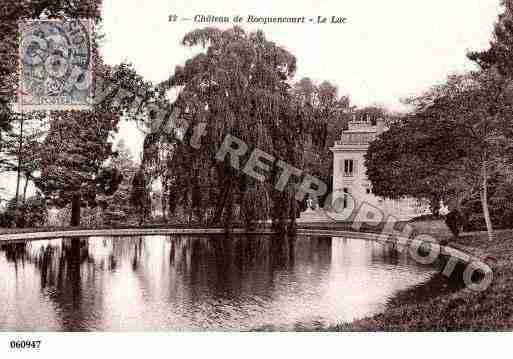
177 283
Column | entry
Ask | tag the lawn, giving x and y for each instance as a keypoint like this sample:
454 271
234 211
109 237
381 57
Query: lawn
443 306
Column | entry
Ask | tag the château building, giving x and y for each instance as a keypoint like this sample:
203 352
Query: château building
349 172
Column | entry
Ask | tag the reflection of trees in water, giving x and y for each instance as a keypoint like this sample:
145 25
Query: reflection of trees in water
225 265
367 252
386 253
74 253
222 265
74 273
393 256
199 259
315 251
108 253
56 260
69 283
15 253
138 250
227 254
59 263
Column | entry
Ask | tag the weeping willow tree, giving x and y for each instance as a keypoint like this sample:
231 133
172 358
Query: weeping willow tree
238 86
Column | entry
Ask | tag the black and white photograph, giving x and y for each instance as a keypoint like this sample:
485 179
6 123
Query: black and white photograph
309 168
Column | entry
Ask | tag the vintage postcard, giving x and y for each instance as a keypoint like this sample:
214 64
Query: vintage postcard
219 167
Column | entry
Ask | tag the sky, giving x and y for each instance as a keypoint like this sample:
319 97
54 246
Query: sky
386 51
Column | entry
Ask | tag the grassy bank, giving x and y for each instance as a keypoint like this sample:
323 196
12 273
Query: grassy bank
443 307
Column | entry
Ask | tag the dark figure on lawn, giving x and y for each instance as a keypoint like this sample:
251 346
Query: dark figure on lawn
455 221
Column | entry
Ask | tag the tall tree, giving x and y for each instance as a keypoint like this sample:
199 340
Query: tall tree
73 154
140 195
78 143
398 165
23 150
237 86
11 13
459 137
328 115
500 52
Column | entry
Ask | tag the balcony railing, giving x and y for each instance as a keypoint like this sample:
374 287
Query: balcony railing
356 139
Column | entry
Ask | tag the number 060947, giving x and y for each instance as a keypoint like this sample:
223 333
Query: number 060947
25 344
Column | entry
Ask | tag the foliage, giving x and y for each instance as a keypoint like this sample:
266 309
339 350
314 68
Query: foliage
35 211
23 147
404 162
500 53
140 198
237 86
458 137
329 114
501 205
116 206
73 154
11 13
73 165
32 213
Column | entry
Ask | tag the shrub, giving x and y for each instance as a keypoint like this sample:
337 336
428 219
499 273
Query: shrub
500 205
32 213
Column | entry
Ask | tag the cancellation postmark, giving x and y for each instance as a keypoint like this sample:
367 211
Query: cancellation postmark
56 65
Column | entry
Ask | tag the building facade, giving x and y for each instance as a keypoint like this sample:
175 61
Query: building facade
349 172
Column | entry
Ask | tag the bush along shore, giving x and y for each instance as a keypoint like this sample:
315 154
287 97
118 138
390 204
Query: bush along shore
444 304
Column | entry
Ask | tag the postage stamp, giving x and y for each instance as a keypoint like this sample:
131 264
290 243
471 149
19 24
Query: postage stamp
56 66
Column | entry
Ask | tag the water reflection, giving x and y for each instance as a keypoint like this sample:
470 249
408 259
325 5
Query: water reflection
197 283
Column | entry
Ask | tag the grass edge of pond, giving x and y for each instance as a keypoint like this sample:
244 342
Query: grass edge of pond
449 309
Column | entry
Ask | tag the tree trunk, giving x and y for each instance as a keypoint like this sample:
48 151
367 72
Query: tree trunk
435 206
20 154
163 202
76 204
229 210
292 230
221 203
25 190
484 202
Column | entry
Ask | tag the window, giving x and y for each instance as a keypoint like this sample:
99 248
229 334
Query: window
349 168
